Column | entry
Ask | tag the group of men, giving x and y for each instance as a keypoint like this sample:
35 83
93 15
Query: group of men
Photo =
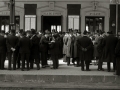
32 47
107 47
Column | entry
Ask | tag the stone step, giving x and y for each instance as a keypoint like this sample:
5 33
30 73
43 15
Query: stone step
59 78
59 82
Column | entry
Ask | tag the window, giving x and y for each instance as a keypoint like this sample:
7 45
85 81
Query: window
56 28
30 22
73 22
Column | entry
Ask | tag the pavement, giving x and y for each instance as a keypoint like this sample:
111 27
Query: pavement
62 70
63 78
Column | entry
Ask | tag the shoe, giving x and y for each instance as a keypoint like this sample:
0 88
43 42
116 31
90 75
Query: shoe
43 67
88 70
22 69
82 69
28 69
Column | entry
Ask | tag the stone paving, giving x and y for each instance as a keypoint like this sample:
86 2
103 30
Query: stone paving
62 70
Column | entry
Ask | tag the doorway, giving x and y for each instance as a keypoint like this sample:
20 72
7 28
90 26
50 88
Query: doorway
52 23
94 24
5 23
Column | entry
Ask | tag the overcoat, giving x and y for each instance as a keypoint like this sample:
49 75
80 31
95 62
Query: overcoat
65 40
117 52
85 42
2 44
44 44
12 41
110 43
25 45
68 54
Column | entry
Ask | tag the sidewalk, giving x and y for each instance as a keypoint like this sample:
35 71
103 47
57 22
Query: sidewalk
62 70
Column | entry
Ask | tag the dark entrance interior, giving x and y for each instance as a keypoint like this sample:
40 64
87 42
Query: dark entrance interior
51 22
5 23
92 24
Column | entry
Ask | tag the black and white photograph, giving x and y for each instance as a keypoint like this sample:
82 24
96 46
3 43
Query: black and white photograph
59 44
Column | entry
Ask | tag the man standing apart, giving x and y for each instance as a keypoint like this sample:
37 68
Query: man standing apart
85 45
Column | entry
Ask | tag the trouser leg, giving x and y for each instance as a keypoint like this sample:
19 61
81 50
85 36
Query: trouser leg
87 65
27 59
9 60
2 60
68 60
108 66
23 61
14 60
82 65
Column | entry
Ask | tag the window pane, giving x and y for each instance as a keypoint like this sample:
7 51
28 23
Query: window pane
33 23
73 22
76 23
7 28
2 27
27 24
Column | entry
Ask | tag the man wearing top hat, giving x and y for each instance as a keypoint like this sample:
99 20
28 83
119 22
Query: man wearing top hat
110 43
2 49
12 42
85 46
34 50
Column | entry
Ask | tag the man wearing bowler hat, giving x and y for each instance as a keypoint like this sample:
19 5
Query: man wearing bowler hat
85 46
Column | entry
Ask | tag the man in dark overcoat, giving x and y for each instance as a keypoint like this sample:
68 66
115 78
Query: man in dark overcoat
12 42
2 49
25 46
44 45
85 45
117 52
55 51
34 50
110 44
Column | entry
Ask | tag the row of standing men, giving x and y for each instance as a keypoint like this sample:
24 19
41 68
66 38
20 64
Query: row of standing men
105 48
29 46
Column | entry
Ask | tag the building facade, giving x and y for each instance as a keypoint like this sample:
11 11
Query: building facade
60 15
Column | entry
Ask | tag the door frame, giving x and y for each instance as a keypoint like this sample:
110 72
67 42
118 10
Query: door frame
96 17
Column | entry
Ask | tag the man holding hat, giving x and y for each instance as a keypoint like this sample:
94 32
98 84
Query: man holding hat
85 46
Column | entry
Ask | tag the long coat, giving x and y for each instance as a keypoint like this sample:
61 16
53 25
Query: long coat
12 41
2 44
73 47
101 49
68 54
25 45
117 52
110 43
44 44
65 40
85 42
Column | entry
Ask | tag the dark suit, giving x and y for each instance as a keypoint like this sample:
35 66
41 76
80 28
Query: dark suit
35 52
12 41
55 52
117 52
25 45
110 43
2 51
44 45
85 42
